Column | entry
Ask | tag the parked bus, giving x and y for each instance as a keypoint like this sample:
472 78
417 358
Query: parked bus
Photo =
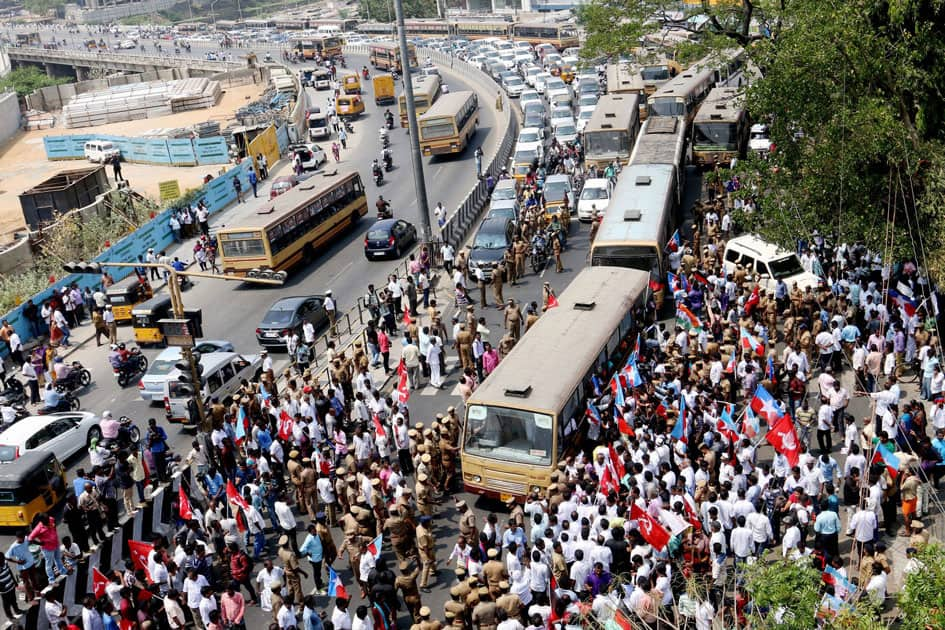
426 90
720 128
481 29
376 28
560 36
682 95
663 140
638 221
529 413
427 28
324 46
305 220
447 127
612 129
386 56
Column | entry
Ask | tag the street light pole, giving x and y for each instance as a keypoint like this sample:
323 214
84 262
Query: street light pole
415 156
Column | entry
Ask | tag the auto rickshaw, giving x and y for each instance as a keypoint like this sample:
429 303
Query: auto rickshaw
124 298
351 83
567 73
145 318
32 483
520 170
349 106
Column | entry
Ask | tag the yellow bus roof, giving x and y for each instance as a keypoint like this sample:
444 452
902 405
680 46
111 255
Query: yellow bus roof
561 347
263 215
447 105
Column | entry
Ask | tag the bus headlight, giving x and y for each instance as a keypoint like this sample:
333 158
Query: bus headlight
536 489
477 478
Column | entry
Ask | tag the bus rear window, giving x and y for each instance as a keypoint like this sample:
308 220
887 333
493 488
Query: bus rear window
436 129
243 248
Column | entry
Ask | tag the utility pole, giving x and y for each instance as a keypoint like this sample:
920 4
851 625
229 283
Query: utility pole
415 156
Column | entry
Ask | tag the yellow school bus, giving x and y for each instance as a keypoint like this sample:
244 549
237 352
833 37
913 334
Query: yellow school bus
447 127
303 222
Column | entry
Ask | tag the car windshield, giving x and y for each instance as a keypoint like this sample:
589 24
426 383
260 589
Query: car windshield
489 241
501 213
554 191
161 367
565 130
513 81
593 193
560 112
511 435
586 114
528 136
526 155
785 267
504 193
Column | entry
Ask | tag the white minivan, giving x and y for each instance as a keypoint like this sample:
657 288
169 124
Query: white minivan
767 263
595 197
100 151
222 374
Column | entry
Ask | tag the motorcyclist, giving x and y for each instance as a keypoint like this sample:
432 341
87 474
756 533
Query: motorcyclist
62 370
388 158
389 117
119 356
555 229
375 168
51 398
109 426
383 207
364 71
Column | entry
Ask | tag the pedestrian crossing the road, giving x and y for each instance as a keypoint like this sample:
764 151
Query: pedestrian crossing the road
452 363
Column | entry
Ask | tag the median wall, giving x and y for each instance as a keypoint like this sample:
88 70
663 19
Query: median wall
9 115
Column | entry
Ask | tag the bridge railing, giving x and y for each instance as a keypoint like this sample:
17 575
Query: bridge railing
153 58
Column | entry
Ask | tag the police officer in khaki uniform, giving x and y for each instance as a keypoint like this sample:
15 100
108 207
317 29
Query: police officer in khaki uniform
290 563
455 605
295 474
448 454
424 495
516 513
513 320
426 548
520 248
464 341
556 250
401 535
308 478
494 572
506 344
426 623
484 614
406 583
510 602
498 278
467 523
340 485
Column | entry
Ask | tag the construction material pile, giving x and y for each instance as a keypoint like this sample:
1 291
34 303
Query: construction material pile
134 101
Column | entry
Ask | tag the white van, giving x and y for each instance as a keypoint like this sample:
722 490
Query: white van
100 151
767 263
595 197
222 374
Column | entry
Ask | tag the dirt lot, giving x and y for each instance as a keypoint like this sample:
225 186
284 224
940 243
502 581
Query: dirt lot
23 162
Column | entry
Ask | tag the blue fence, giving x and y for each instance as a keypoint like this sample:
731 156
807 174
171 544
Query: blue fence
156 233
173 152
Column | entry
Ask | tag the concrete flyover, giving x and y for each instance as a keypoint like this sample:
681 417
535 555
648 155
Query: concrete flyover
83 61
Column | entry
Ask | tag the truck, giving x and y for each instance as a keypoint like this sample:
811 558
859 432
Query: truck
384 89
317 122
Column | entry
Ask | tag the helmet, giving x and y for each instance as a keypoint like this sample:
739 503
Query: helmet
57 360
106 414
114 346
121 346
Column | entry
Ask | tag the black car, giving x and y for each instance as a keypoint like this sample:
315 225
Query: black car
287 314
489 245
389 237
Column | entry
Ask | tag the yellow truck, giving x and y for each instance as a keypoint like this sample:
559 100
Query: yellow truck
384 89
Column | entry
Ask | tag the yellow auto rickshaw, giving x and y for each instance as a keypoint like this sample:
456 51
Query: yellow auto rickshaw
567 73
124 298
145 318
520 170
349 106
32 483
351 83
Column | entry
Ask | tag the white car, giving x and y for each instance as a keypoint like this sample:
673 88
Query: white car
312 156
529 96
758 141
561 115
514 86
566 132
540 80
595 197
163 367
555 87
530 73
587 101
767 263
531 138
64 434
583 118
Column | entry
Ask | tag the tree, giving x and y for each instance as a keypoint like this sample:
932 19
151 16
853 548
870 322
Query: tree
383 10
28 79
922 599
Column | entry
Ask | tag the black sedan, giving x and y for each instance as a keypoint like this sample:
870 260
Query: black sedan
389 237
287 314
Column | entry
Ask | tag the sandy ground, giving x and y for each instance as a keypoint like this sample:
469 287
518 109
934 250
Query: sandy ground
23 162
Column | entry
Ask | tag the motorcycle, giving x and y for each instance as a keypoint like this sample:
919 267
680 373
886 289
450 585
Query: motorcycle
390 121
349 128
136 363
78 378
385 139
128 436
67 402
11 414
541 250
378 177
388 161
13 394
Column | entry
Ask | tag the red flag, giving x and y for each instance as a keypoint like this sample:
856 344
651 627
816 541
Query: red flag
652 531
234 497
725 430
144 465
184 505
139 555
401 368
624 427
691 516
552 301
378 427
407 320
99 581
619 468
752 300
403 391
607 481
285 425
783 437
655 285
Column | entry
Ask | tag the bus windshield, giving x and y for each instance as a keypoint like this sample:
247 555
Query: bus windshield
513 435
716 134
606 142
667 107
